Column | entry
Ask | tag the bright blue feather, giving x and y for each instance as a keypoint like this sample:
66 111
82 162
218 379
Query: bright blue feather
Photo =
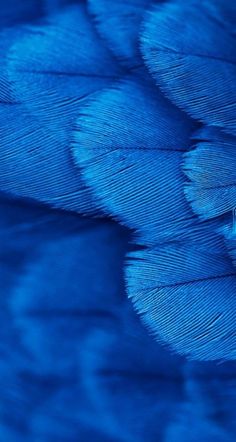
190 50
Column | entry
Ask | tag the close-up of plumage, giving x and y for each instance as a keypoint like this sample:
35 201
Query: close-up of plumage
118 221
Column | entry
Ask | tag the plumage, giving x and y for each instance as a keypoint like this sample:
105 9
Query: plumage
40 250
84 128
135 168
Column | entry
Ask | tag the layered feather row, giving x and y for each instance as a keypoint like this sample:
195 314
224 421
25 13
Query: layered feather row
123 110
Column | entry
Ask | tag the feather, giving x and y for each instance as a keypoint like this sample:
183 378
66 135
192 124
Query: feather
128 384
185 292
190 50
210 168
118 22
129 142
48 87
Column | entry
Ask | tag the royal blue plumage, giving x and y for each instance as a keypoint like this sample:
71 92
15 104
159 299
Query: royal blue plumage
117 221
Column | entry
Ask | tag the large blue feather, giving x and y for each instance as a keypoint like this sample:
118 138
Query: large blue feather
186 294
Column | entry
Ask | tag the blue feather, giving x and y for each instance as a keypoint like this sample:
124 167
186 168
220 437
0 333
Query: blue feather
129 142
40 250
211 167
190 50
185 292
119 22
76 364
207 398
90 258
48 87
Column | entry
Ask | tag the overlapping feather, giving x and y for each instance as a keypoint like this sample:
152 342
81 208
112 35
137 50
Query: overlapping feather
198 74
131 143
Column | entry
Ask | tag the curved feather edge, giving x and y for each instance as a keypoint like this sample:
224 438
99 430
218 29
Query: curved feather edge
198 74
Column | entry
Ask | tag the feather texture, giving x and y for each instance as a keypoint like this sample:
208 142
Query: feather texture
76 364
